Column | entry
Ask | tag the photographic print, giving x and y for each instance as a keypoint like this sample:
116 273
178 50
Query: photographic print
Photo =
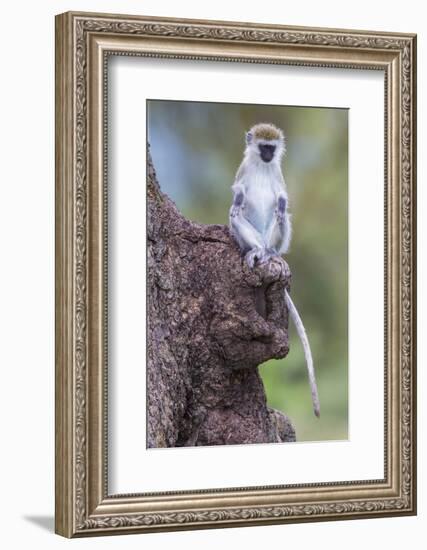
247 235
235 274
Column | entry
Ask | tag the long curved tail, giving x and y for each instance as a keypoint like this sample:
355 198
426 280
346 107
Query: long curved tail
307 352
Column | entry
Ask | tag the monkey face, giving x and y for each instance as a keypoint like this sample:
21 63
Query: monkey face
265 142
266 151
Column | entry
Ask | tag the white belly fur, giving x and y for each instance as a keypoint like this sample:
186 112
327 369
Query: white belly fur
260 200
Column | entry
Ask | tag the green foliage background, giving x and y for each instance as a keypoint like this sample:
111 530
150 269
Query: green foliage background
196 149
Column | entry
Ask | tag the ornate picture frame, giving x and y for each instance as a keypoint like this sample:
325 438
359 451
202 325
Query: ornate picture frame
84 42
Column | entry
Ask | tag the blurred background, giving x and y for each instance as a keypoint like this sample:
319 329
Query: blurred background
196 150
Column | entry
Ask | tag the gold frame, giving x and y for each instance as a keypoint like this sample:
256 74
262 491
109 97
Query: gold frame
83 42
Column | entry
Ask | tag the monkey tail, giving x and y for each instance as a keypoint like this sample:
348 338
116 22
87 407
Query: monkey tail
307 352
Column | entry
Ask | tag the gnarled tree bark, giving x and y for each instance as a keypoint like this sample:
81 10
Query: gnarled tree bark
211 322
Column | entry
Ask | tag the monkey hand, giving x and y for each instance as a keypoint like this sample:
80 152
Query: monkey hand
280 218
237 205
235 211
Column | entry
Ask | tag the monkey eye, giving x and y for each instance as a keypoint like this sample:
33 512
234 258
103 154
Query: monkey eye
267 152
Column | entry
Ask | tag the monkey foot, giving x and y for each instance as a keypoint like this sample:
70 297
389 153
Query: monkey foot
268 254
260 256
254 256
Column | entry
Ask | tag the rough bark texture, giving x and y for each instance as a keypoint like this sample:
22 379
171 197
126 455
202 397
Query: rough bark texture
211 322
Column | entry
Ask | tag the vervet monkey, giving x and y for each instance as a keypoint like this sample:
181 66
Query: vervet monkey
259 218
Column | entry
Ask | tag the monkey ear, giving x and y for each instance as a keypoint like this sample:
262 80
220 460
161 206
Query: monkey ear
249 137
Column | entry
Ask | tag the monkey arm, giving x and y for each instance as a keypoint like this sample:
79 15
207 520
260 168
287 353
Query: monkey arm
238 200
278 232
281 207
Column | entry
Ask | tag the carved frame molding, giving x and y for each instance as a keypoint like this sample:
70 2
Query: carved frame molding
83 43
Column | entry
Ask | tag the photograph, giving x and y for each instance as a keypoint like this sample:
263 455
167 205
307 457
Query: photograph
235 273
247 205
215 209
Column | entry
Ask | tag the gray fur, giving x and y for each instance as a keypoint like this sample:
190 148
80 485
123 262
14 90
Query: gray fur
261 224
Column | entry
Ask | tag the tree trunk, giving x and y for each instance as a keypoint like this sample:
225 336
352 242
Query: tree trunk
211 322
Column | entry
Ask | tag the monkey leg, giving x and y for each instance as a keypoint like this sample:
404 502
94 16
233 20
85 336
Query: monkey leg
249 239
245 233
279 237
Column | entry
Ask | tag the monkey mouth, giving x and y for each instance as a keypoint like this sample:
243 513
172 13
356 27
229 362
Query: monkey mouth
267 152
